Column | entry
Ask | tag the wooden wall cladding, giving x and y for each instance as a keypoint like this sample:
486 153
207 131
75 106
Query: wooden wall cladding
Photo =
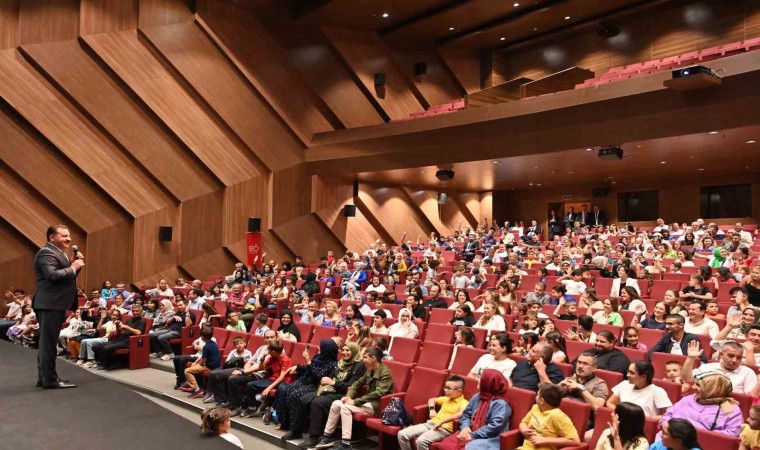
668 31
308 237
469 205
278 81
54 177
104 16
48 20
10 33
244 200
329 197
202 225
366 54
164 12
150 255
16 261
133 63
426 202
453 214
291 194
110 253
218 261
77 139
194 56
391 208
465 65
438 85
91 88
270 243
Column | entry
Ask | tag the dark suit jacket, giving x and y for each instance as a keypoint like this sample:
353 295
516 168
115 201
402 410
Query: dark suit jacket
602 220
570 219
666 344
56 281
533 230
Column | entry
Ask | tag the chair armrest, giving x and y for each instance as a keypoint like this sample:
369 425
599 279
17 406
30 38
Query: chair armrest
188 335
420 414
510 439
139 352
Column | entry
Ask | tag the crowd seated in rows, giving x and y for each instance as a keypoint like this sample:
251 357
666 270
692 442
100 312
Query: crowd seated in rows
599 316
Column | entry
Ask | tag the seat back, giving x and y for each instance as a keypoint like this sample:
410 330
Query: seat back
714 440
672 388
229 346
660 359
633 354
602 417
297 355
660 286
221 336
521 401
425 383
481 334
305 329
254 342
650 337
440 315
578 412
745 402
440 332
323 333
611 378
435 355
465 360
603 286
288 347
575 348
404 349
401 372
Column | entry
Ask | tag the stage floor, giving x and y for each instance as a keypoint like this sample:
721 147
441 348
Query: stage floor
98 414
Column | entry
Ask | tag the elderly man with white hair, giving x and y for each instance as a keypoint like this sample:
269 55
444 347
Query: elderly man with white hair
358 276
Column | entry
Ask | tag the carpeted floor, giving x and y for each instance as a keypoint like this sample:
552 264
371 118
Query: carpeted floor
98 415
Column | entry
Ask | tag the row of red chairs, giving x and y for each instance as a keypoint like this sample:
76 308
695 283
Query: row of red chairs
435 110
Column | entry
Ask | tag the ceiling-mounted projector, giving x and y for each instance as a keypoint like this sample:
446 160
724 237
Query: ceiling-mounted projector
445 174
611 153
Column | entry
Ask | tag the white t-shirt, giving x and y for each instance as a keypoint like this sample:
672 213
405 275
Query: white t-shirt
379 289
488 361
651 398
495 323
232 439
388 313
707 326
574 287
742 379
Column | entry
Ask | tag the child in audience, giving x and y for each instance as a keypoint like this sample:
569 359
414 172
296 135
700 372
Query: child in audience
260 325
235 324
216 422
570 307
530 325
626 429
677 434
750 435
545 425
711 311
211 358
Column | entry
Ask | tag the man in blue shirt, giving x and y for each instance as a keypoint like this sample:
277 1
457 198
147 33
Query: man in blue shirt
210 359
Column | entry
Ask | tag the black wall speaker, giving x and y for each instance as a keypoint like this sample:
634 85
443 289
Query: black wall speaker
164 234
380 79
420 68
254 224
600 192
349 210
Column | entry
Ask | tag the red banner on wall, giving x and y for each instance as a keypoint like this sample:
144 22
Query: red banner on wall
253 248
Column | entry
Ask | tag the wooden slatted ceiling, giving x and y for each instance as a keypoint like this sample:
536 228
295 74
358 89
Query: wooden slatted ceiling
54 178
103 16
367 55
162 12
246 42
77 139
193 55
136 66
9 26
14 245
84 81
16 259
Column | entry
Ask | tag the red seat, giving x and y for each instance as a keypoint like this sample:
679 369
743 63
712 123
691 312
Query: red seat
650 337
288 347
187 336
633 354
715 440
745 402
221 335
297 354
305 329
465 360
578 412
682 277
672 388
660 286
402 373
481 334
435 355
323 333
603 286
575 348
138 351
660 359
439 332
611 378
425 384
405 350
254 342
440 315
229 346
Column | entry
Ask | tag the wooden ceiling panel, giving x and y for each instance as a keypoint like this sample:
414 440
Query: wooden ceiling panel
368 14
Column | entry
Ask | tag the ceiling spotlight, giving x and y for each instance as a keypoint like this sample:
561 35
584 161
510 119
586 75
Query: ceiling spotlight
535 29
515 4
713 132
589 149
751 141
571 172
385 15
535 167
663 162
451 28
423 171
613 182
503 39
701 170
495 162
538 184
567 17
627 156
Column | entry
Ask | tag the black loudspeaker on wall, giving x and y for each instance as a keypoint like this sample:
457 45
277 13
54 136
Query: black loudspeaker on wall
380 79
349 210
420 68
600 192
164 234
254 224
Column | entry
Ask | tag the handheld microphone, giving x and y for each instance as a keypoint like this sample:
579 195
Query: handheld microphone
75 249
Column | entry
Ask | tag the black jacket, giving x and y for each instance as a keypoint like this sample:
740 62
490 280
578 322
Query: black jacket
665 345
56 281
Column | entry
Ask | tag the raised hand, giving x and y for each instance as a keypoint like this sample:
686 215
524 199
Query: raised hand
734 319
694 350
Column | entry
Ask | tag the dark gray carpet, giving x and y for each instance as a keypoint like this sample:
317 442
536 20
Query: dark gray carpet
98 414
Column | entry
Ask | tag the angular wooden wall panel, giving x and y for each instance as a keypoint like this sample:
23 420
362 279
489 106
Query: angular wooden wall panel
486 207
426 203
90 87
104 16
56 178
16 261
153 84
367 55
390 207
438 85
330 195
10 34
202 225
77 139
48 20
469 205
109 255
244 200
248 44
152 256
194 56
307 236
465 65
214 262
164 12
291 194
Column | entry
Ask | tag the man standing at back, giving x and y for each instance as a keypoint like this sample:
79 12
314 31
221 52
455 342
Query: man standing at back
56 291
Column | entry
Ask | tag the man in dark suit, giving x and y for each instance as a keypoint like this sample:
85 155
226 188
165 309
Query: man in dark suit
598 217
570 218
674 324
533 230
56 291
584 217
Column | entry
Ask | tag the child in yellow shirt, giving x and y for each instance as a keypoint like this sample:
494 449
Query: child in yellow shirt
546 427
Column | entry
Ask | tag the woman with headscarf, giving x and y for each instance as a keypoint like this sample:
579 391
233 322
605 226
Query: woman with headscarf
737 325
711 407
313 408
165 312
309 376
288 330
486 416
405 327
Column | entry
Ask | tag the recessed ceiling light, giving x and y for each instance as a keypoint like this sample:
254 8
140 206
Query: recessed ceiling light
613 182
495 162
385 15
535 167
531 184
538 184
451 28
515 4
751 141
535 29
503 39
713 132
423 171
663 162
567 17
701 170
589 149
571 172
